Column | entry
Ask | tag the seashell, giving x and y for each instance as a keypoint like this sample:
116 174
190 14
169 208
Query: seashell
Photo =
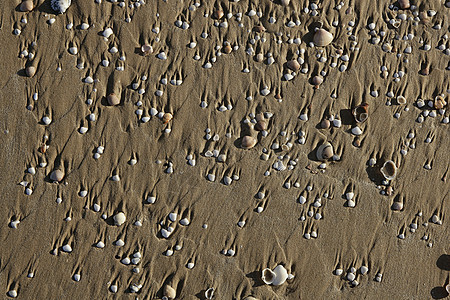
209 293
325 124
113 100
401 100
386 47
166 118
169 292
439 102
119 219
261 125
259 57
360 113
259 28
248 142
317 80
57 175
227 49
322 38
397 206
389 170
404 4
268 276
285 2
447 288
60 6
30 71
146 49
294 65
250 298
281 275
26 5
325 151
218 14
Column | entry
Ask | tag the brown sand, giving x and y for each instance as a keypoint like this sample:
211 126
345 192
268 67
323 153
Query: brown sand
347 237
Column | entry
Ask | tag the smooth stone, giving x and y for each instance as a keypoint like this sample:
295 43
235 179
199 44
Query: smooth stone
113 100
26 5
57 175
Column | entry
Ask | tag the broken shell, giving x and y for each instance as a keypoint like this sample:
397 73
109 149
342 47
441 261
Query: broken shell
227 49
209 293
397 206
325 151
169 292
404 4
30 71
57 175
167 117
119 219
268 276
389 170
439 102
248 142
113 100
401 100
322 38
360 113
146 49
281 275
293 65
26 5
261 125
317 80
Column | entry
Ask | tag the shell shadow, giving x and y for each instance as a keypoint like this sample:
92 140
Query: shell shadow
439 292
46 7
346 116
443 262
255 275
374 174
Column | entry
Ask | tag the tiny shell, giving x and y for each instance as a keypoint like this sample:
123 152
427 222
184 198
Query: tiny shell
209 293
360 113
294 65
268 276
30 71
261 125
26 5
57 175
389 170
113 100
218 14
325 151
439 102
404 4
248 142
146 49
325 124
167 117
401 100
227 49
169 292
119 219
322 38
397 206
317 80
281 275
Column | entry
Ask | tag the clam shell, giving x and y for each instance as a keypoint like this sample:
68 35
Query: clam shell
317 80
261 125
389 170
113 100
119 219
360 113
401 100
268 276
248 142
146 49
227 49
397 206
325 124
404 4
30 71
60 6
294 65
325 151
439 102
169 292
26 5
322 38
167 117
218 14
57 175
281 275
209 293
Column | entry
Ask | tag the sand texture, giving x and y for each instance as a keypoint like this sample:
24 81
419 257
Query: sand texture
244 135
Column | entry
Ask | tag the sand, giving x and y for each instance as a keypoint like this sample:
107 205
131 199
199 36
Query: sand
229 234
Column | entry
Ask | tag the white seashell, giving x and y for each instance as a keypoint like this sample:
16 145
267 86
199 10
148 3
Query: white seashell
14 224
265 91
115 178
77 277
322 38
83 130
349 195
325 151
363 270
119 219
268 276
12 293
100 245
125 261
107 32
73 50
281 275
389 170
162 55
119 243
184 222
173 217
67 248
351 203
356 130
60 6
89 79
84 26
46 120
113 288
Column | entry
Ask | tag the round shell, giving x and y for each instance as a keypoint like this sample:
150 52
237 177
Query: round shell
322 38
389 170
317 80
30 71
360 113
218 14
227 49
404 4
60 6
401 100
169 292
439 102
268 276
26 5
294 65
325 124
146 49
281 275
325 151
261 125
248 142
57 175
119 219
167 117
113 100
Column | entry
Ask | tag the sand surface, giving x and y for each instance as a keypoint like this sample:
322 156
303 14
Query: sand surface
234 211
